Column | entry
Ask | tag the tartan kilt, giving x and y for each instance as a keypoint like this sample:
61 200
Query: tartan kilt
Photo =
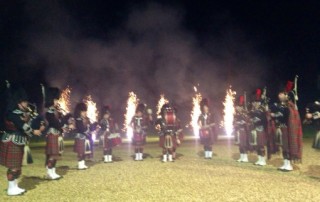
261 138
107 144
52 146
206 137
271 138
138 139
162 141
11 154
243 138
285 139
295 133
79 146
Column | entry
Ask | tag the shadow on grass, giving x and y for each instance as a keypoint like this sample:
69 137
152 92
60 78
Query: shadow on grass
313 172
30 182
178 156
145 156
62 170
117 159
235 156
92 162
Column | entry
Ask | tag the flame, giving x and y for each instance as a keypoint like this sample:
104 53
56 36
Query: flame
132 103
161 102
64 100
195 113
229 111
92 113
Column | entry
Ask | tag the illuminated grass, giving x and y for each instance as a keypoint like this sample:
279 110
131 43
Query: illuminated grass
190 178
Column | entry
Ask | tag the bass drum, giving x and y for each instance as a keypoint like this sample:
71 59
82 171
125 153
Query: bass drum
170 119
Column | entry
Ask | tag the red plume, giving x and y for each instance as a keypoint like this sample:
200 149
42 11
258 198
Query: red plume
258 94
241 100
289 86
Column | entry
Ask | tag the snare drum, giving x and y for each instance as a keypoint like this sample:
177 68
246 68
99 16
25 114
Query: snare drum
115 139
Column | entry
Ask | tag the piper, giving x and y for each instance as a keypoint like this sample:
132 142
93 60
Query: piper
56 126
205 123
139 124
83 145
18 129
108 132
258 133
241 130
289 131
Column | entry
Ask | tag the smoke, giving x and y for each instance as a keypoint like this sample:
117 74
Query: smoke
150 53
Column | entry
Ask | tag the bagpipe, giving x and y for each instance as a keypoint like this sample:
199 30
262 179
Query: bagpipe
205 130
312 112
265 99
36 121
292 91
275 107
31 116
138 125
207 126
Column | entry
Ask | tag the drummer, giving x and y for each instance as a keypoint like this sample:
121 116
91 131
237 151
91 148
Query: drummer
108 133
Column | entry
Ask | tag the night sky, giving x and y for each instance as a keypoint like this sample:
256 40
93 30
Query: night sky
108 48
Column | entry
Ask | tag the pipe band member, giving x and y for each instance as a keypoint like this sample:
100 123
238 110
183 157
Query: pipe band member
108 132
18 129
206 123
139 126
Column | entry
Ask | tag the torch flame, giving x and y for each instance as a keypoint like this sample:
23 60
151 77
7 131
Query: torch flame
229 111
195 113
64 100
130 112
92 112
195 89
161 102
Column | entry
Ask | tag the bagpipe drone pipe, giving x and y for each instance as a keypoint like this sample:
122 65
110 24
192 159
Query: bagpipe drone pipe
36 120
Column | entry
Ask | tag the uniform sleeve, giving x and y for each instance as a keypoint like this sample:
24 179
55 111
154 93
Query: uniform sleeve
81 128
53 121
20 124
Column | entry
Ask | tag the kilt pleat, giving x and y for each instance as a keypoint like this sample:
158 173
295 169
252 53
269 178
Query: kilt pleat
11 154
52 145
138 140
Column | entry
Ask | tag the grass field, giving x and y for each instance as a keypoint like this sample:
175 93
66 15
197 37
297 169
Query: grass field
189 178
